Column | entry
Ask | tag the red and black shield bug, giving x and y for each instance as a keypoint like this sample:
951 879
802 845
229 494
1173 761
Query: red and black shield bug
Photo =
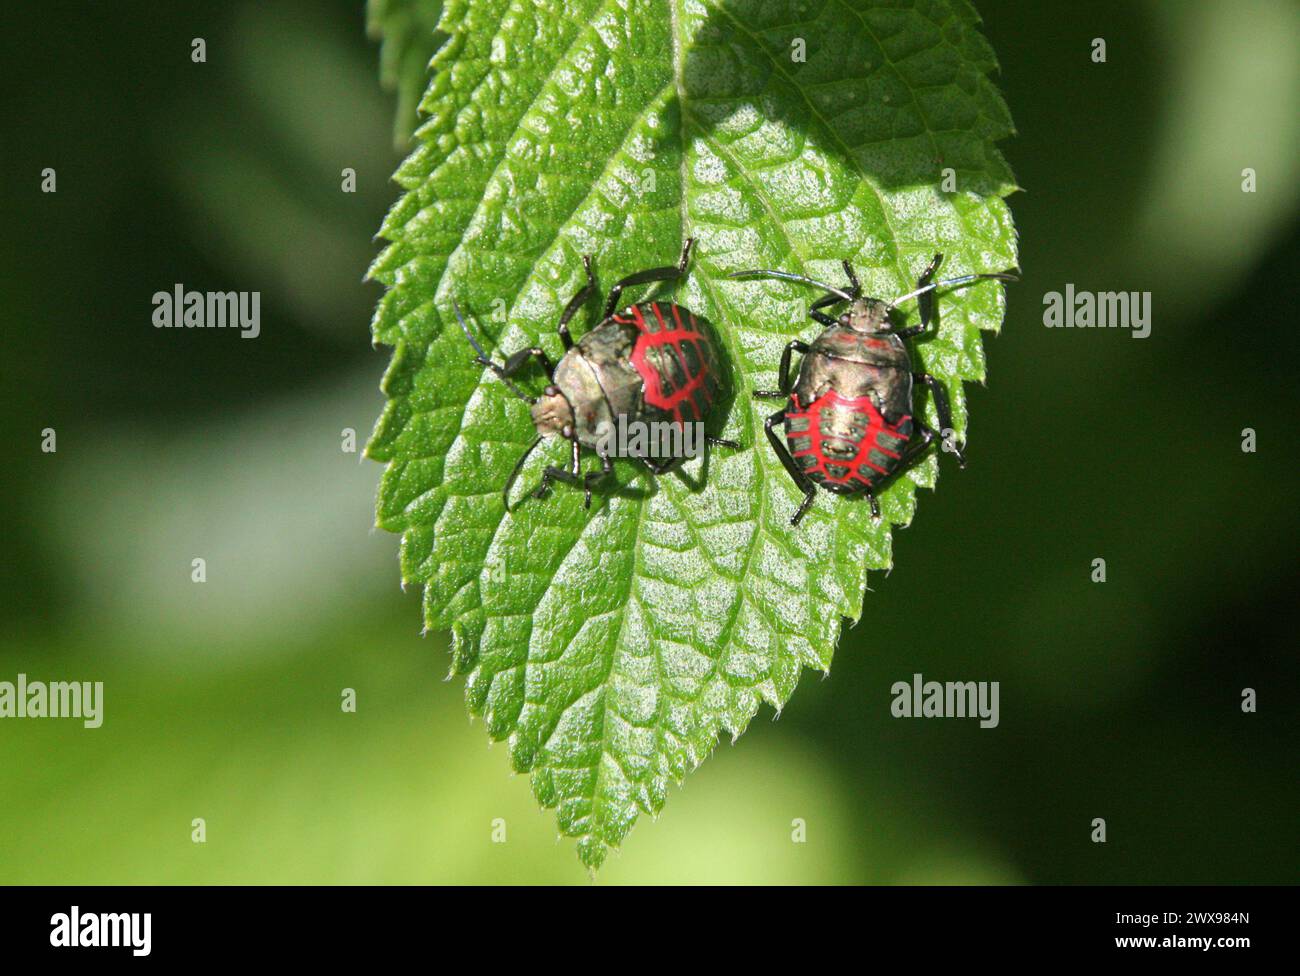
848 418
654 363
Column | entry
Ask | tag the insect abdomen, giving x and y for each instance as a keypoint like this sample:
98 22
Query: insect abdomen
675 359
844 444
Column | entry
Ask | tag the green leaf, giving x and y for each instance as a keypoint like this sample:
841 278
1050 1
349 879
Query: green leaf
612 646
408 29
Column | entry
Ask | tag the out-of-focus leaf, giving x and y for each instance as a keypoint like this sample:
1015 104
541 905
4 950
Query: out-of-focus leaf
409 35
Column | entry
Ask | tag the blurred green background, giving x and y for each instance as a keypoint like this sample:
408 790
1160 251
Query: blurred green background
1119 700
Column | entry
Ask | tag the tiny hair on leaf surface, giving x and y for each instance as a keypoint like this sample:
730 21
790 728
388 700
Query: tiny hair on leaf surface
612 646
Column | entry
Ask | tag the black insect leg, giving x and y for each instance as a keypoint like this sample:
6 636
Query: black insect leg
926 301
820 317
593 478
575 303
941 407
804 483
830 298
516 361
783 377
511 365
809 493
553 473
875 505
928 274
645 277
922 437
571 476
855 287
514 472
660 466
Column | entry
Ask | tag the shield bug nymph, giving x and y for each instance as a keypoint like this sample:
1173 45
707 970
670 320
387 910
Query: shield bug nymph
653 362
848 418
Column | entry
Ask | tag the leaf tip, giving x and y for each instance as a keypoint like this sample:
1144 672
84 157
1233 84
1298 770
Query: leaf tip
592 851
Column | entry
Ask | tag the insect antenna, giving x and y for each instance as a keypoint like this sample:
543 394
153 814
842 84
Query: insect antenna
485 361
961 280
789 276
514 472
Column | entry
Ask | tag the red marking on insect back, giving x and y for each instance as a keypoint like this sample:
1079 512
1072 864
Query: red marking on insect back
677 346
675 337
850 343
659 315
876 426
